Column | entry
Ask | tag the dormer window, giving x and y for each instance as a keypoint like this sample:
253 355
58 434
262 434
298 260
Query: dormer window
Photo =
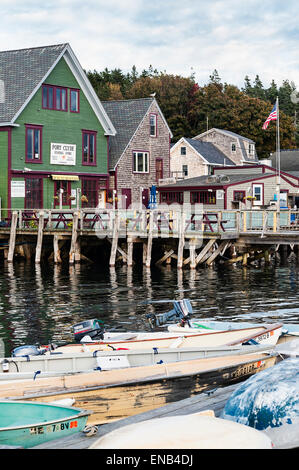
153 125
234 147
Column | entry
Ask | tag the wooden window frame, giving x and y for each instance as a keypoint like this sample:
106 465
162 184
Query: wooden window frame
145 157
172 197
77 91
203 197
154 126
34 128
89 134
55 88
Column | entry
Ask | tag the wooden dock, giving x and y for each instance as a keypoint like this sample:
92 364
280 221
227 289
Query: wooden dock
178 237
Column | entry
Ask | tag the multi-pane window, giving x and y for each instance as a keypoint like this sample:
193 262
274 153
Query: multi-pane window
74 101
183 151
153 125
33 139
140 162
172 197
54 97
234 147
203 197
90 191
33 193
62 187
185 170
89 147
239 196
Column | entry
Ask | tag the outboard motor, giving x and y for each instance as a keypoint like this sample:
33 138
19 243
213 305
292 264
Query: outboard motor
27 350
182 311
92 328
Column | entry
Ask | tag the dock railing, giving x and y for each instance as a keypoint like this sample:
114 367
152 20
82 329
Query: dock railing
160 222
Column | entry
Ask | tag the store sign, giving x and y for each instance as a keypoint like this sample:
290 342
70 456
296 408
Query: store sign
18 188
63 154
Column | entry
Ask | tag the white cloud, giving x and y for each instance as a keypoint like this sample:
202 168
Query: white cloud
236 38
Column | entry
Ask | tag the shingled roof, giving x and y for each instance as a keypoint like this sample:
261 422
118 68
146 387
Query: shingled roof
21 71
208 181
209 152
126 116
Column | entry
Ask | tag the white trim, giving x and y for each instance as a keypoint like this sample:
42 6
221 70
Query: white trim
7 124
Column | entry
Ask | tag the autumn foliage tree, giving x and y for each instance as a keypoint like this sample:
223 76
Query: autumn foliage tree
190 109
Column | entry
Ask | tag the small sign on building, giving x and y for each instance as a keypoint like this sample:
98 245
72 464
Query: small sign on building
18 188
63 154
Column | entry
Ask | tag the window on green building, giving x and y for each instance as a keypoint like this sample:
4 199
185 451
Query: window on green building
89 147
33 144
74 101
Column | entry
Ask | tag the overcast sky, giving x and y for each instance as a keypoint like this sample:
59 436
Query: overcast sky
236 37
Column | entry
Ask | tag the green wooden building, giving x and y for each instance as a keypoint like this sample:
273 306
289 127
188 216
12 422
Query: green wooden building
54 132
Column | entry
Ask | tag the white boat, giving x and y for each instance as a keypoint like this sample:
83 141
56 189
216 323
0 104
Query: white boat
260 334
193 431
52 363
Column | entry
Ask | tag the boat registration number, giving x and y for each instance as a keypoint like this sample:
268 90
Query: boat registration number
54 427
246 369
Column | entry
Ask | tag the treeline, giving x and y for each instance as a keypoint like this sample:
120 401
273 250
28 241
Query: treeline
191 109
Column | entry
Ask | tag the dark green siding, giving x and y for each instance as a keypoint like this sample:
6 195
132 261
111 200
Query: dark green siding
58 127
3 167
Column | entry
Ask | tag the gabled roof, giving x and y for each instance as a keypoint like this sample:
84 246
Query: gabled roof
233 135
126 115
208 151
224 131
23 71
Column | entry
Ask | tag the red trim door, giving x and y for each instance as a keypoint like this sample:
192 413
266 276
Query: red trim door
127 197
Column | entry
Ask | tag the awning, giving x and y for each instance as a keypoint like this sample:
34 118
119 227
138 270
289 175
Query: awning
65 177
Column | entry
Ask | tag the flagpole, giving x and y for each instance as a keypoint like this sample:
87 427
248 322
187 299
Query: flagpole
278 156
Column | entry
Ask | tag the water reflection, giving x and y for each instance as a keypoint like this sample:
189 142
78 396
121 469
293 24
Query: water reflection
39 304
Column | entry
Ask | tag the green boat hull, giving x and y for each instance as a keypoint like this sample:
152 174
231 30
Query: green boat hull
28 424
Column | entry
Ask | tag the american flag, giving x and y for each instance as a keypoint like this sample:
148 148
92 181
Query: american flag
272 117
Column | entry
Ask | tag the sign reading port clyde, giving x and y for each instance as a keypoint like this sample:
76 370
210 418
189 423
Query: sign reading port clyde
63 154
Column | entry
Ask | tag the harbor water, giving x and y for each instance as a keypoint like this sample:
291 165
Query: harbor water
40 303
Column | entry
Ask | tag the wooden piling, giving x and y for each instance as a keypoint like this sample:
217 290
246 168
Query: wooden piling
12 237
181 243
150 241
57 257
74 238
114 241
38 249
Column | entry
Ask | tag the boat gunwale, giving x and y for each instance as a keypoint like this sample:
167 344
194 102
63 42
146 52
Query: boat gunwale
166 376
80 414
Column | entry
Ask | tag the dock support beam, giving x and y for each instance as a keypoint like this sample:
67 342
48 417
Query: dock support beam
150 241
114 241
39 243
12 238
72 254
